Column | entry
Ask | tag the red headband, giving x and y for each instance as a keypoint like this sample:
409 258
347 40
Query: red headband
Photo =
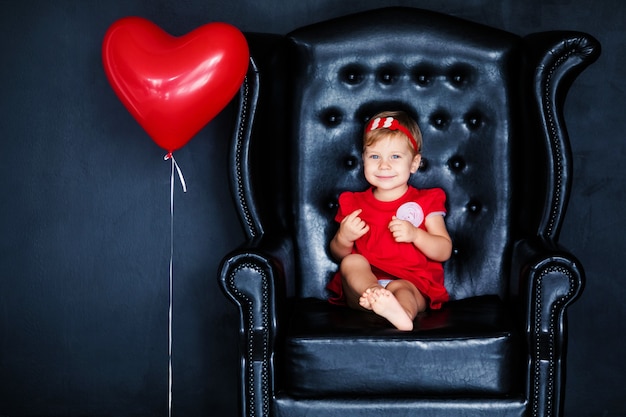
391 124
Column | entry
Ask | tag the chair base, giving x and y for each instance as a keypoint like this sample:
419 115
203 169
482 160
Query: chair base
468 348
398 407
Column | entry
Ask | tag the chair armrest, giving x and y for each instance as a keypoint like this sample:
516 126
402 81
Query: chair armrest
551 279
254 277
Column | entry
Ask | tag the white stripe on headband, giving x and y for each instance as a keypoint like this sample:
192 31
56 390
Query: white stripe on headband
391 124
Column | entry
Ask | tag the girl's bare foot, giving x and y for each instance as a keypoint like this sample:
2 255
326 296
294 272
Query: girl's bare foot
364 300
385 304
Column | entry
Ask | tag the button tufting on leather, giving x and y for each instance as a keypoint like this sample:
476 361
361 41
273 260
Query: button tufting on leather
422 75
460 75
351 162
364 115
440 120
387 75
473 206
386 78
456 163
473 121
352 74
331 117
422 79
457 79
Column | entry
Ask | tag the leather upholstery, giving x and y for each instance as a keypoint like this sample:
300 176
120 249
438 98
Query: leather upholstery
490 107
468 348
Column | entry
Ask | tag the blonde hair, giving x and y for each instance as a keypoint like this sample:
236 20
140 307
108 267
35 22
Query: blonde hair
371 136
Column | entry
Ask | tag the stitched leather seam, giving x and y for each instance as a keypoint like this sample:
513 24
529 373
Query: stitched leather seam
556 145
241 198
557 306
251 335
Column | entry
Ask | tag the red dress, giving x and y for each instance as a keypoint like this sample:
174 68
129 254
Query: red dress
390 259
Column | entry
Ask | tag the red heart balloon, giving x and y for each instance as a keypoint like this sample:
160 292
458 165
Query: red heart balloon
173 86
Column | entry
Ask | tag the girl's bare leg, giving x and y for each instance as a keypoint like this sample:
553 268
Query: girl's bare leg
399 303
357 279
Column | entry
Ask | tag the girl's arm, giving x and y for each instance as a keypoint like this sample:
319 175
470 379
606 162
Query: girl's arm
339 247
434 242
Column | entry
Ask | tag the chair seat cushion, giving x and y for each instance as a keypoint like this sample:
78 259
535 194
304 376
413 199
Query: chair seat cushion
468 347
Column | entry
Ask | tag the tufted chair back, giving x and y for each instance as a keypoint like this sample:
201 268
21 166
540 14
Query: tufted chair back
461 91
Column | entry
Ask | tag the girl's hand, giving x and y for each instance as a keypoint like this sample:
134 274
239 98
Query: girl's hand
403 231
434 242
352 227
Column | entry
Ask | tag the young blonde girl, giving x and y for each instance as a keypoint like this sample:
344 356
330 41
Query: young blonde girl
392 238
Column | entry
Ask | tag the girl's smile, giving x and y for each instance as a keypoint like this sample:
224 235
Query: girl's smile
388 165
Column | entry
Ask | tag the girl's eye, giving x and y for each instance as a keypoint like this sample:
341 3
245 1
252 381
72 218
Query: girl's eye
374 156
395 156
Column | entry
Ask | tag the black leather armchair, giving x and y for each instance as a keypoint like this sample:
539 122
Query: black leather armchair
490 107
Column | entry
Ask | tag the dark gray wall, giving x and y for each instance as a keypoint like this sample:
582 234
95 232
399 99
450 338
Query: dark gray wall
84 212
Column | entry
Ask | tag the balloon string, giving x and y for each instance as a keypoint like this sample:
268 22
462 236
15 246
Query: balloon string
180 173
175 168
